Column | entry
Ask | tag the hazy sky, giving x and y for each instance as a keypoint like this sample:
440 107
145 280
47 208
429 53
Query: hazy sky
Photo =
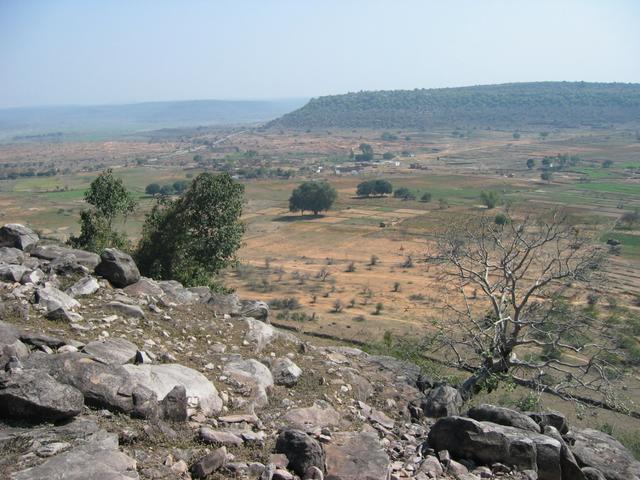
118 51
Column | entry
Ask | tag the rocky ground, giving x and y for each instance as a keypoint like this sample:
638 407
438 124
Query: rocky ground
107 375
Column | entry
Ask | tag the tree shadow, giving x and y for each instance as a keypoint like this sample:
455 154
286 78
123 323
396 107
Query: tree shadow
296 218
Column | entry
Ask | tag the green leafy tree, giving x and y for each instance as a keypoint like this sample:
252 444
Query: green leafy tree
382 187
530 163
367 153
364 189
313 196
607 164
388 156
167 190
180 185
109 198
490 198
191 238
546 176
152 189
516 135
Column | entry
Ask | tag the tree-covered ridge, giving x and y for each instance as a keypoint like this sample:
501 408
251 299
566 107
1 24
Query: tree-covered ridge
537 103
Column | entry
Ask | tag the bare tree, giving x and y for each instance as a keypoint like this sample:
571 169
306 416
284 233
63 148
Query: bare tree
530 333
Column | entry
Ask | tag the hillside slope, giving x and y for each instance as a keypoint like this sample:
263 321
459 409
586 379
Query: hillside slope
513 105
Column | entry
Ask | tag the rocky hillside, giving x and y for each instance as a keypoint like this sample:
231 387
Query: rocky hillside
512 106
107 375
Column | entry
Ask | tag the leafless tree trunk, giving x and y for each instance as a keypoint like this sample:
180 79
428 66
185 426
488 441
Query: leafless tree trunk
530 333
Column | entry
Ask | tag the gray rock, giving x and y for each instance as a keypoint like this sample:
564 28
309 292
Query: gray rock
18 236
253 375
568 464
593 448
487 443
503 416
51 299
102 385
112 351
32 277
144 287
591 473
40 339
262 334
126 310
301 450
209 463
64 314
117 267
98 458
52 252
12 273
255 309
356 455
66 265
176 293
550 418
10 344
442 401
161 379
218 437
174 406
225 304
35 396
11 255
85 286
285 372
320 415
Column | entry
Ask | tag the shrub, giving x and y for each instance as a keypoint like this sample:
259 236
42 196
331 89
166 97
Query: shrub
287 303
501 219
379 307
426 197
191 238
490 198
404 193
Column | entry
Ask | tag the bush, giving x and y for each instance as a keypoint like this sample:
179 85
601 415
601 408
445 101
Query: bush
490 198
426 197
191 238
152 189
288 303
404 193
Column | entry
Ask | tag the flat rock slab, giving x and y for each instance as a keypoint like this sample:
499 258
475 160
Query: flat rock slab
321 414
51 299
356 456
98 458
252 374
161 379
112 351
596 449
35 396
84 286
11 255
53 252
126 310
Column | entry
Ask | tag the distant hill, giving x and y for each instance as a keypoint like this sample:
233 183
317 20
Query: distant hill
512 105
46 123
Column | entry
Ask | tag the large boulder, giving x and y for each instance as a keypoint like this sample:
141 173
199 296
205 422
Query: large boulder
503 416
118 267
10 344
253 375
35 396
12 273
255 309
320 415
18 236
225 304
89 260
161 379
261 334
442 401
102 385
356 456
285 372
112 351
301 450
52 299
550 418
595 449
11 255
98 458
85 286
488 443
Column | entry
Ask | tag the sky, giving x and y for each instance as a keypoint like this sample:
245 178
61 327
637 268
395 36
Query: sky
83 52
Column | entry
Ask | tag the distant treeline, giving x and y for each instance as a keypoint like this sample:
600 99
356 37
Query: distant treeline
559 104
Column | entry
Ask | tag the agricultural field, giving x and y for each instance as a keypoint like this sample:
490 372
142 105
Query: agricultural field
359 272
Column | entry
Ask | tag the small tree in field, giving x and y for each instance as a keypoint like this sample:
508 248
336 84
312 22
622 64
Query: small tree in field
530 163
546 176
313 196
520 269
191 238
109 198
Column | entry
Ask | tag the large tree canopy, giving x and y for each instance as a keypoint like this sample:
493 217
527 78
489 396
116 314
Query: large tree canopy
191 238
313 196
